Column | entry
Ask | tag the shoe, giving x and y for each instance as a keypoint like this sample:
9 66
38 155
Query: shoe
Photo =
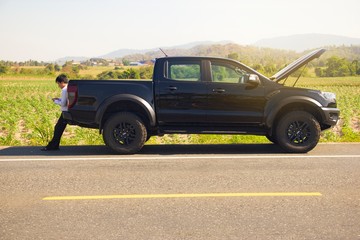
49 149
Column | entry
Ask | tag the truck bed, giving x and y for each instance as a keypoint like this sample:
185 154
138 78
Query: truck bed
92 94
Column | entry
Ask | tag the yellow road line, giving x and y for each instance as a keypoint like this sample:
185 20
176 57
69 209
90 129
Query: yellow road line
185 195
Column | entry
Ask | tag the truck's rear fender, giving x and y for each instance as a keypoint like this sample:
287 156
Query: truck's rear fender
126 103
276 109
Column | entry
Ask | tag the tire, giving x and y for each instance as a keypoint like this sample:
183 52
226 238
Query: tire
124 133
298 132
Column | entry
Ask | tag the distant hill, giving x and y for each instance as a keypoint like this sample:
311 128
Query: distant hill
63 60
136 52
302 42
247 54
124 52
277 50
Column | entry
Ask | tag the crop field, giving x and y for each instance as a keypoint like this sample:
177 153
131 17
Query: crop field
27 115
94 71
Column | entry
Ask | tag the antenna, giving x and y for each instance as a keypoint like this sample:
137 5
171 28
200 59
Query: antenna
163 52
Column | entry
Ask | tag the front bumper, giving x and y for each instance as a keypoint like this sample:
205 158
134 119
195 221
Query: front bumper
331 116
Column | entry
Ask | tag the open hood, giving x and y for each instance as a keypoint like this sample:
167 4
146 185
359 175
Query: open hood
298 63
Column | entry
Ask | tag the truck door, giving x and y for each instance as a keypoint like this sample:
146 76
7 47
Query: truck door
231 100
181 93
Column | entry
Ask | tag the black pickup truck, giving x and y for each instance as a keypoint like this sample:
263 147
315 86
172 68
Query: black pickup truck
203 95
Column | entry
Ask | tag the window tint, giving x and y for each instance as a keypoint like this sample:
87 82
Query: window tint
184 71
226 73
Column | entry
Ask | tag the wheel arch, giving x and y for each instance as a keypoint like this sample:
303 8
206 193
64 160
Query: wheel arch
126 103
275 112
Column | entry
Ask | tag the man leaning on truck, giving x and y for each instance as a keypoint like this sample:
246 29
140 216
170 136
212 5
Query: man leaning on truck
60 126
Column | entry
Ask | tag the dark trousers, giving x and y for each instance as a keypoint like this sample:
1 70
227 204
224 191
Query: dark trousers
58 131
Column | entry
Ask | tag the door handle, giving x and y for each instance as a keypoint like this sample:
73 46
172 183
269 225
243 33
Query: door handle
172 88
218 90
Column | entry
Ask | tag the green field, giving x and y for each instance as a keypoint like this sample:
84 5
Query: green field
27 115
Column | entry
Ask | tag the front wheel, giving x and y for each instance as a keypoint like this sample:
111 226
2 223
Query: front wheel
124 133
298 132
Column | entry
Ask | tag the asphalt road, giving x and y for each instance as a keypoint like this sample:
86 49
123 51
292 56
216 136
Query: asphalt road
252 191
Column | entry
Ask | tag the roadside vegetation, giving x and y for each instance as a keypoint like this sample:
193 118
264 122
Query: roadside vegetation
335 62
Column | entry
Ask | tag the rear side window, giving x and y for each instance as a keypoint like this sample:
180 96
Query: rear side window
183 71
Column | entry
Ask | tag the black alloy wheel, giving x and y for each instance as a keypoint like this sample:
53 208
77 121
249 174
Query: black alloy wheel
298 132
124 133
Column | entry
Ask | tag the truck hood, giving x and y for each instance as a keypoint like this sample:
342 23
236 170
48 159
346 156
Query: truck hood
298 63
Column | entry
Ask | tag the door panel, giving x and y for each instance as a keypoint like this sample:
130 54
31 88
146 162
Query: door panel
181 94
230 99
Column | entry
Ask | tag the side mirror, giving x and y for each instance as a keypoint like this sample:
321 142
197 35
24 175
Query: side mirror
252 80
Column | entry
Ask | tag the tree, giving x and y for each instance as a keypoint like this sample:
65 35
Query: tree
57 68
49 67
70 69
3 69
146 72
130 74
126 62
234 56
259 68
355 63
270 69
107 75
337 67
319 72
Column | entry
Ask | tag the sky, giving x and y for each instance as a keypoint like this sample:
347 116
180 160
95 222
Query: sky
46 30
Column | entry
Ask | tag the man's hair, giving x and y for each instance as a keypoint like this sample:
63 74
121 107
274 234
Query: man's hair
62 78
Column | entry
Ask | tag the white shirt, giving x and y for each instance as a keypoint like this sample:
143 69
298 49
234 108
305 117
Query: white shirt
63 101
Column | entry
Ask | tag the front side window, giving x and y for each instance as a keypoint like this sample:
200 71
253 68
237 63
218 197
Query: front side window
184 71
226 73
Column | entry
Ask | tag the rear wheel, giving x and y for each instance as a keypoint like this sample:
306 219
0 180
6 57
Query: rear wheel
124 133
298 132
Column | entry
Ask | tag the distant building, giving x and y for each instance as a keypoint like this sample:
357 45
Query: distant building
136 64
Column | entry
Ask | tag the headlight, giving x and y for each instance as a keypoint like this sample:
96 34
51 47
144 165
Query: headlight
329 96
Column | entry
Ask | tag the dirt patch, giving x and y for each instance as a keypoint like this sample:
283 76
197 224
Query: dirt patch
21 132
3 132
69 132
338 128
355 124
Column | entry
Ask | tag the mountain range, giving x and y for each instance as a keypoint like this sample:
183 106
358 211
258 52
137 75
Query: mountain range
302 42
298 43
123 52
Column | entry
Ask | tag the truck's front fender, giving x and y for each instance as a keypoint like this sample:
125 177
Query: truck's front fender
148 109
274 107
